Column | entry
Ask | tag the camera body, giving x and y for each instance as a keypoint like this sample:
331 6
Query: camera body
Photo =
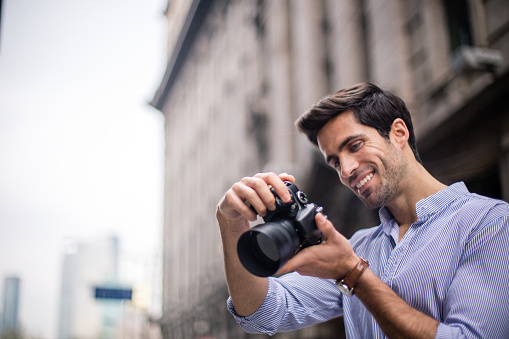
288 229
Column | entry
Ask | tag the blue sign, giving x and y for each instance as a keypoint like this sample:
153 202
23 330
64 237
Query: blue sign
113 293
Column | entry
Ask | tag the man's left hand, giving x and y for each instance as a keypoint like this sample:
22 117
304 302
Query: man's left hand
332 259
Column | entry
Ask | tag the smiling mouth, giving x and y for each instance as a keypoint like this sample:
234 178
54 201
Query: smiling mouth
364 181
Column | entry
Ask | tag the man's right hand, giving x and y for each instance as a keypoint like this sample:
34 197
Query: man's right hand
246 290
254 191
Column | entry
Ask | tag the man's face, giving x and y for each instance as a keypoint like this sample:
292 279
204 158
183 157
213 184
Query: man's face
366 162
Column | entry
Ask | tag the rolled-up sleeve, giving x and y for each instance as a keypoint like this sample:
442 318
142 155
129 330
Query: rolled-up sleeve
292 302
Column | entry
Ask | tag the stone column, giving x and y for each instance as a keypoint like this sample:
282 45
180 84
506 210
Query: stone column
346 43
308 69
277 62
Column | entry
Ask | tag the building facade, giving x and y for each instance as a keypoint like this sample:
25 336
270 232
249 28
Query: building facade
239 74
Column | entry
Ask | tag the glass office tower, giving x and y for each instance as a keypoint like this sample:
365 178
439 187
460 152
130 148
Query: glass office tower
10 305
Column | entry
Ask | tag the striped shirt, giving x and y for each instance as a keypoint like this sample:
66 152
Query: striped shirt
452 264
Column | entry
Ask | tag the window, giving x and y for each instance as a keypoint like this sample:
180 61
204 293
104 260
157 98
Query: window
458 20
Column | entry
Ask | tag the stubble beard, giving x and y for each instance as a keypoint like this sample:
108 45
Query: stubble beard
393 170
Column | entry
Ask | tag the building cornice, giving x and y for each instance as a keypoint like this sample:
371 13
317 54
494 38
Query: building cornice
195 18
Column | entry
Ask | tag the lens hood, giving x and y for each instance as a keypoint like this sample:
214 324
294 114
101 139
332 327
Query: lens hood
267 247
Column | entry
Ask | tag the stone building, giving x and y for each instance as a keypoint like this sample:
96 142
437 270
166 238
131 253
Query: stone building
241 71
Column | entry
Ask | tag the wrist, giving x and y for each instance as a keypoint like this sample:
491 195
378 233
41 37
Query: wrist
231 226
227 217
347 284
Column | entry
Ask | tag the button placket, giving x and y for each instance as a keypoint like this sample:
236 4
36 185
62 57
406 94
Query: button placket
398 254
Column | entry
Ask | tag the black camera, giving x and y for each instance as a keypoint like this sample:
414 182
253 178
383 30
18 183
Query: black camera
289 228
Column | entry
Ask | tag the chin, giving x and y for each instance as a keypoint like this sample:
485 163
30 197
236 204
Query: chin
371 202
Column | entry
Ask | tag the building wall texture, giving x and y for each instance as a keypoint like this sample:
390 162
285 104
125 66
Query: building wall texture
239 74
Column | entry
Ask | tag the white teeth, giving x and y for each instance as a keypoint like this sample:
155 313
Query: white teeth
364 181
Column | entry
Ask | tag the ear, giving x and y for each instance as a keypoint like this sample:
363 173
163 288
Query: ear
399 132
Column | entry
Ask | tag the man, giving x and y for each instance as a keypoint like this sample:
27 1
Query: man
436 267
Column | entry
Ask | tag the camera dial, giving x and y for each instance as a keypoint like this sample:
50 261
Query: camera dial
303 198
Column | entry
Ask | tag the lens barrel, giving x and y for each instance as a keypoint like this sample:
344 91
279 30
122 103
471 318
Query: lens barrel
267 247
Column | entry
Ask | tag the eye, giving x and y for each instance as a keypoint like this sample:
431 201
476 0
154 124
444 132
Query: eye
355 147
335 163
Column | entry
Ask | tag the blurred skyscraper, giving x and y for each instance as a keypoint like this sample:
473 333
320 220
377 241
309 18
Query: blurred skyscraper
87 265
10 306
97 297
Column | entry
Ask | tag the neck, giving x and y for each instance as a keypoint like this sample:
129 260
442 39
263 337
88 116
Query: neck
418 185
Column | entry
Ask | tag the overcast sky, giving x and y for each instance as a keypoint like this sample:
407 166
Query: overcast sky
81 151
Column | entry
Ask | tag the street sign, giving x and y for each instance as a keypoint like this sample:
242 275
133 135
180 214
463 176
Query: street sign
113 293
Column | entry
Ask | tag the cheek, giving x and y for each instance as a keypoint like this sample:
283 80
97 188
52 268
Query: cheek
344 181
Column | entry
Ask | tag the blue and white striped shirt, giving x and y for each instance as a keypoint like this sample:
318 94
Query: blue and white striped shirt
452 264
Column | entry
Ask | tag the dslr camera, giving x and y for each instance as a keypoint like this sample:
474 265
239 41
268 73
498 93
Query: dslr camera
288 229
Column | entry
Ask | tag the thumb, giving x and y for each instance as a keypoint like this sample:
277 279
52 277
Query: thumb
303 257
324 225
286 268
294 262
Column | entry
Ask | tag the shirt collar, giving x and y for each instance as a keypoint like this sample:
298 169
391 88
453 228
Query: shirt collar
427 206
438 201
387 220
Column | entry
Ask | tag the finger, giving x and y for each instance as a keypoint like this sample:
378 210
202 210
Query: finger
256 192
286 268
295 262
287 177
232 201
277 183
262 182
299 260
253 197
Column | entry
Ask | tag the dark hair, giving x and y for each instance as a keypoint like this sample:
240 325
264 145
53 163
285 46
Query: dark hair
371 106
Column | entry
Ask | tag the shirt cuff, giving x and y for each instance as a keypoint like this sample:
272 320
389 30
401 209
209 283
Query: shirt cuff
448 332
267 314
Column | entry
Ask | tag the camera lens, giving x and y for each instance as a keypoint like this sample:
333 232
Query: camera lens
265 248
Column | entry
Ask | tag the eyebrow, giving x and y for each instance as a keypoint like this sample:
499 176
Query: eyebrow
343 145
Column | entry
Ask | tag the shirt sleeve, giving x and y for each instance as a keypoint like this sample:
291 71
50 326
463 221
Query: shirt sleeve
292 302
476 305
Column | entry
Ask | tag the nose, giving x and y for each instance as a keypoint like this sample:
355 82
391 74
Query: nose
347 167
